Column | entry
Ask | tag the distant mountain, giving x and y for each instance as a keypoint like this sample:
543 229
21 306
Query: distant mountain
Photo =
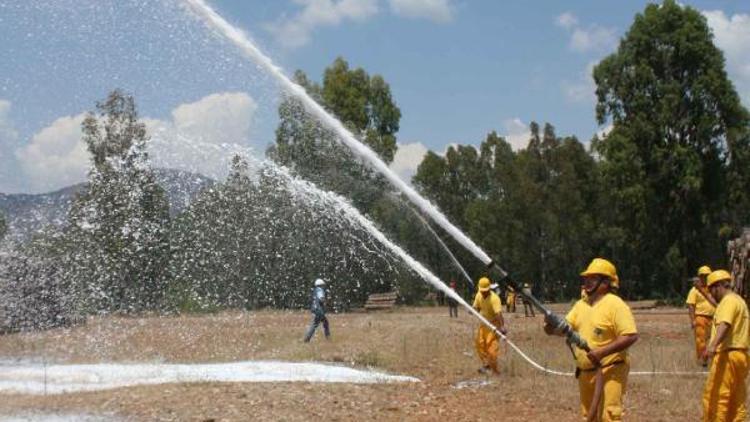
181 187
29 213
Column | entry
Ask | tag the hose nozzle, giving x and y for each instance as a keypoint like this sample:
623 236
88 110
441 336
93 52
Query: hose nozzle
560 325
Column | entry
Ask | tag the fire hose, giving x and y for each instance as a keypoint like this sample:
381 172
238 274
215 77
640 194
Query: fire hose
560 325
571 337
440 241
347 138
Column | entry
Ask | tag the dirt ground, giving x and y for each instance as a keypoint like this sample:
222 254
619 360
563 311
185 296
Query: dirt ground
422 342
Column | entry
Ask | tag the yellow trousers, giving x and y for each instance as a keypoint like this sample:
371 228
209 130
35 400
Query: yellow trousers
702 332
615 381
725 391
487 345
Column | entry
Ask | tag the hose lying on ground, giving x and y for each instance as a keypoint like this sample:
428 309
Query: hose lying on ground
450 292
551 371
544 369
571 335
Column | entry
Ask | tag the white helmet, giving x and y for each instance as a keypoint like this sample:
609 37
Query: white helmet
319 282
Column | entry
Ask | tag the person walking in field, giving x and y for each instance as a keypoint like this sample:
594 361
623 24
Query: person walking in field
725 391
528 309
318 309
606 323
487 303
452 303
701 306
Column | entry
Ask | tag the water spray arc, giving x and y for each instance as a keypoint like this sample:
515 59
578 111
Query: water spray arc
439 240
217 23
247 47
338 203
222 28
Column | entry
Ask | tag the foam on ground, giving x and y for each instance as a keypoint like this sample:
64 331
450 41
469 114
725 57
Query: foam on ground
56 379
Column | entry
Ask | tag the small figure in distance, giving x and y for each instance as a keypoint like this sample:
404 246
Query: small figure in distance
452 303
318 309
528 308
510 300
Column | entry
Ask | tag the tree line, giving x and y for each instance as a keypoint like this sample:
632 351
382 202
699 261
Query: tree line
256 239
659 194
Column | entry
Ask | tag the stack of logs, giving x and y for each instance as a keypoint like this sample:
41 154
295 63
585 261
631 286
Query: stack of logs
381 301
738 251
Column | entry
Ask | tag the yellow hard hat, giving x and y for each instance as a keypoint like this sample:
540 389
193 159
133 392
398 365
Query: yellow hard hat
615 282
717 276
484 284
600 266
704 270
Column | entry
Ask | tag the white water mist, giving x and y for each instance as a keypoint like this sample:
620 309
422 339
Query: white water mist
334 202
241 40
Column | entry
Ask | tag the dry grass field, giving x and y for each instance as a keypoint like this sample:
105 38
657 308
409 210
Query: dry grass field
421 342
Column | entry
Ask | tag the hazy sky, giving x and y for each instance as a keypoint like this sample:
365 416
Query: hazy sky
457 69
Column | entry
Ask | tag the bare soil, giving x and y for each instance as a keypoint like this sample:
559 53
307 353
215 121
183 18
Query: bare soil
422 342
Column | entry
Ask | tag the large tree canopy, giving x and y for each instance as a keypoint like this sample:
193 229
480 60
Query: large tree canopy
364 105
117 228
532 209
679 132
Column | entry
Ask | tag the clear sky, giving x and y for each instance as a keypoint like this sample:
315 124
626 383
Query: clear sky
457 69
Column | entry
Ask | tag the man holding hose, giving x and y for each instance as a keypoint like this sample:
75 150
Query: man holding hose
606 323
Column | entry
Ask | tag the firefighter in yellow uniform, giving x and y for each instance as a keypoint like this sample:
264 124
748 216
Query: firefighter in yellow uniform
510 300
608 326
701 306
725 391
487 303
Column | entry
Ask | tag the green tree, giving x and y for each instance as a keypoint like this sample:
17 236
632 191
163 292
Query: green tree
474 187
738 180
531 209
261 237
365 106
453 180
36 291
679 135
118 222
364 103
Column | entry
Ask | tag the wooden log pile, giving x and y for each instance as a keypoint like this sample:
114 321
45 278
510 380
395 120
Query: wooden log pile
738 251
380 301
